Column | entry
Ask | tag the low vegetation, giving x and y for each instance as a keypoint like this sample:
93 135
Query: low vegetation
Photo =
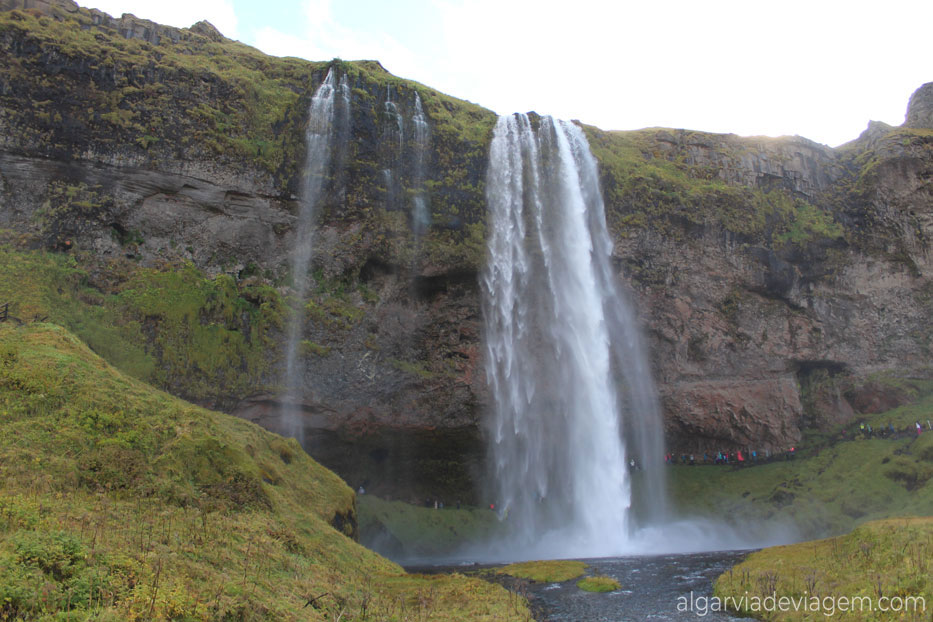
559 571
120 502
412 532
598 584
203 338
873 573
651 183
545 571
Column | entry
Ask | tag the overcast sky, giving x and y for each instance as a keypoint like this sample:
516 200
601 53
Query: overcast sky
817 68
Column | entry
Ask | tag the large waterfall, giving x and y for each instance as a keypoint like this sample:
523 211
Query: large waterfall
574 402
328 114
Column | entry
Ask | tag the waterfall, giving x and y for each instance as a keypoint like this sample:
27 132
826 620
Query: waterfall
563 360
328 118
421 217
392 112
391 145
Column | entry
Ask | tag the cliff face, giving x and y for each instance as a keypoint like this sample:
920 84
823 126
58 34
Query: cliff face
778 280
784 316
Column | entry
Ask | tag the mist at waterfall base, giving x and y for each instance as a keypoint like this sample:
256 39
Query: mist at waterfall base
573 399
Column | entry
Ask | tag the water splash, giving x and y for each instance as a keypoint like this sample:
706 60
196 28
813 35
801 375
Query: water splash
421 217
563 355
328 118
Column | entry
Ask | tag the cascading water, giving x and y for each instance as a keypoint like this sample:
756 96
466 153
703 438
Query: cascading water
330 109
391 144
421 218
562 350
391 110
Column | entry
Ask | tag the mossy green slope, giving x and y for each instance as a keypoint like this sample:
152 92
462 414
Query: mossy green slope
120 502
209 339
836 482
883 562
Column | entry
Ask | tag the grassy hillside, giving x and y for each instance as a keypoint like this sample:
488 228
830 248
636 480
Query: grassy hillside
883 562
123 503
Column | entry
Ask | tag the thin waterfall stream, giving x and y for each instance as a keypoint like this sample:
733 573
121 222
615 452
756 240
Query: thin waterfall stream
421 216
329 108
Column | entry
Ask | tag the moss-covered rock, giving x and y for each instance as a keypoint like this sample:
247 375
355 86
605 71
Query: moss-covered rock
211 340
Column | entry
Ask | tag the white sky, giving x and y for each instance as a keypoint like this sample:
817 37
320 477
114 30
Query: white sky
817 68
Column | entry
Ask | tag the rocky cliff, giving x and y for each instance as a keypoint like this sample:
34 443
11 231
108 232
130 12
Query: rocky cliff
781 283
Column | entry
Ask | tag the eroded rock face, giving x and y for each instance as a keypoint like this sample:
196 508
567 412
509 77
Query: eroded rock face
742 324
756 414
920 108
793 163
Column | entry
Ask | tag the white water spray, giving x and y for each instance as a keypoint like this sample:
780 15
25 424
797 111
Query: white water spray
562 350
330 106
421 217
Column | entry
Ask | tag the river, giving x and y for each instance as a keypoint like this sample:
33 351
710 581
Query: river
662 587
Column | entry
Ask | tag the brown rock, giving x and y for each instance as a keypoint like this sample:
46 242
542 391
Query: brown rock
734 414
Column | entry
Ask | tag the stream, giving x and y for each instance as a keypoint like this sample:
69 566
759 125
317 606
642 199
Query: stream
662 587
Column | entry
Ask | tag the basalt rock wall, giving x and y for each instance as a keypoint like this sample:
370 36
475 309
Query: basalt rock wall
781 283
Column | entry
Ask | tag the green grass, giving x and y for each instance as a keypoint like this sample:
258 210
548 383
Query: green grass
598 584
426 532
120 502
832 486
545 571
882 559
558 571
